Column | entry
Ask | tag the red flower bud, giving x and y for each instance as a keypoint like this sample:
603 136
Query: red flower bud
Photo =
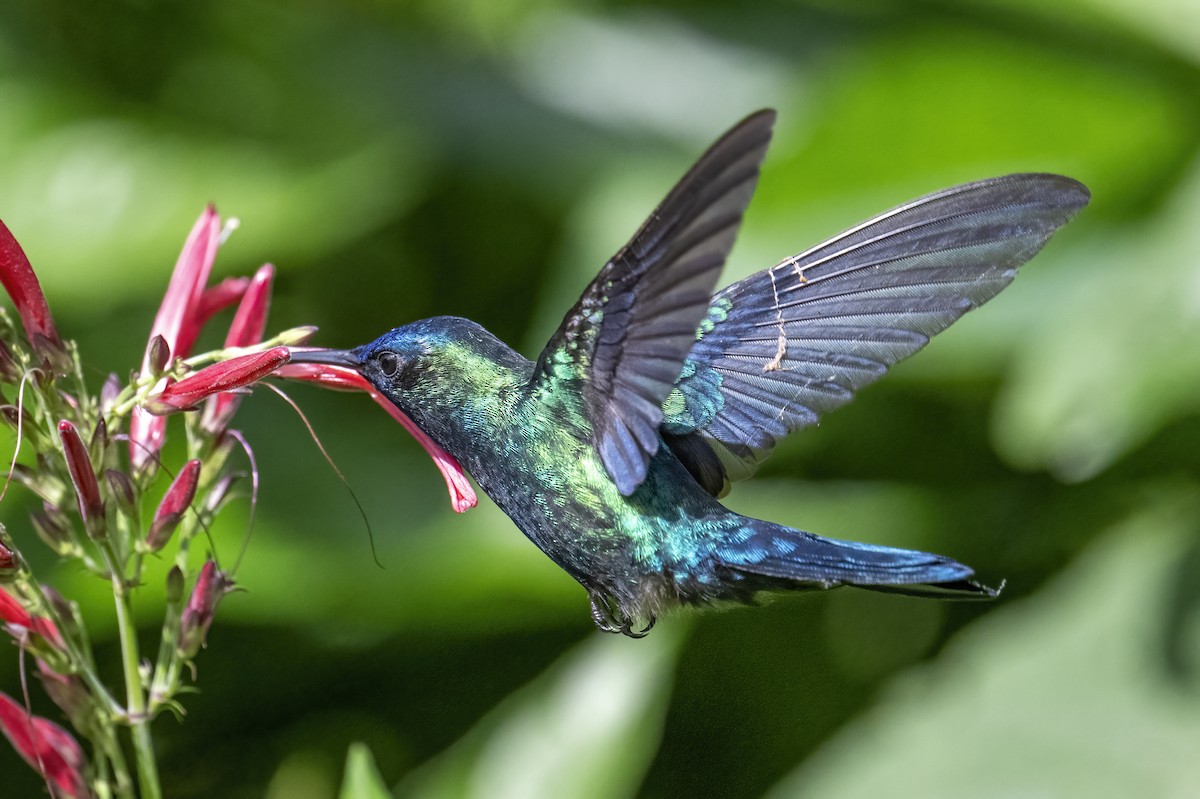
211 586
224 376
8 561
22 286
174 504
462 496
87 489
45 746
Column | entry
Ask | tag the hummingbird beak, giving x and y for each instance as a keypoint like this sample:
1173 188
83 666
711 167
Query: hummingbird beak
344 358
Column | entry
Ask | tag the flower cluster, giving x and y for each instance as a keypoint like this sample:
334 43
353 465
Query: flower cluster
95 463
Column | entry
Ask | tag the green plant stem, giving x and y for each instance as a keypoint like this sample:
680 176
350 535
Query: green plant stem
139 720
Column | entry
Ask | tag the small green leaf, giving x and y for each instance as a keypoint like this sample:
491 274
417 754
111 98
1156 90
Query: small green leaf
362 778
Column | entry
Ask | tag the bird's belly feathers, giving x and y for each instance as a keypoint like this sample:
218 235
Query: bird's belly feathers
549 480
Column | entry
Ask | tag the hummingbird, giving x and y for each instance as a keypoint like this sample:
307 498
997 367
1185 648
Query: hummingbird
611 449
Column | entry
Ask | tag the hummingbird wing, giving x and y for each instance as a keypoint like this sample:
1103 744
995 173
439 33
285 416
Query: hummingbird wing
783 346
625 340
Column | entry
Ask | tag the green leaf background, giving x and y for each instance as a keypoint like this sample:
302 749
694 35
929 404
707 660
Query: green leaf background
400 160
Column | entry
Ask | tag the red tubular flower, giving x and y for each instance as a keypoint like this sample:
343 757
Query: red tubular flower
179 323
45 746
247 329
19 280
217 298
14 614
87 488
211 586
174 504
224 376
462 496
177 320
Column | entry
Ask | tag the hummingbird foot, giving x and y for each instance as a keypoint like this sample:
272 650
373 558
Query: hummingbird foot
609 619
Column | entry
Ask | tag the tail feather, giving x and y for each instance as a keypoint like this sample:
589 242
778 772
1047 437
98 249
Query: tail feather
772 556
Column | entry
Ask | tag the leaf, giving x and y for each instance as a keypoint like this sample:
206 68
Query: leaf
362 778
1109 360
588 728
1067 693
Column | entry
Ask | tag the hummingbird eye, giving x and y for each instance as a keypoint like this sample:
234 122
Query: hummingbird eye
389 363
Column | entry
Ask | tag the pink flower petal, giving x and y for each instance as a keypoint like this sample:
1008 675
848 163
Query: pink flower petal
219 297
247 329
12 612
45 746
462 496
223 376
178 322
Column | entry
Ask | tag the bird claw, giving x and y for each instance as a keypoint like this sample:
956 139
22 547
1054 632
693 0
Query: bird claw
609 620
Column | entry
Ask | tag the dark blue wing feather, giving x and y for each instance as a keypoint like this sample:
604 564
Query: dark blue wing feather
625 340
787 344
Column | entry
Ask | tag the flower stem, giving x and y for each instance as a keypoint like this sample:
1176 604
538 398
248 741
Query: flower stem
139 720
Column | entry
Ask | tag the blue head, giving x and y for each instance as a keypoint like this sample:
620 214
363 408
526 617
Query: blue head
433 368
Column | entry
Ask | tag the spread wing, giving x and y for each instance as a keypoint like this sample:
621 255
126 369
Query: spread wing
783 346
624 342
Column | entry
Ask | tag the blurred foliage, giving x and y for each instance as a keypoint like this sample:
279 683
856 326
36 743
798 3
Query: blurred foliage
400 160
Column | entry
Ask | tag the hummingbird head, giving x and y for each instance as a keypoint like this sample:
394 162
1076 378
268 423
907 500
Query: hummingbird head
431 369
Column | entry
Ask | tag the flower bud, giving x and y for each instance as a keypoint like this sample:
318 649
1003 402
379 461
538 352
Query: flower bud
174 504
87 489
211 586
158 355
109 393
99 443
53 533
224 376
69 693
220 490
22 419
295 336
174 585
8 563
41 482
120 488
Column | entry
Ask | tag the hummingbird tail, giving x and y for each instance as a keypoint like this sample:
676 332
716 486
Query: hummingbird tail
768 556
